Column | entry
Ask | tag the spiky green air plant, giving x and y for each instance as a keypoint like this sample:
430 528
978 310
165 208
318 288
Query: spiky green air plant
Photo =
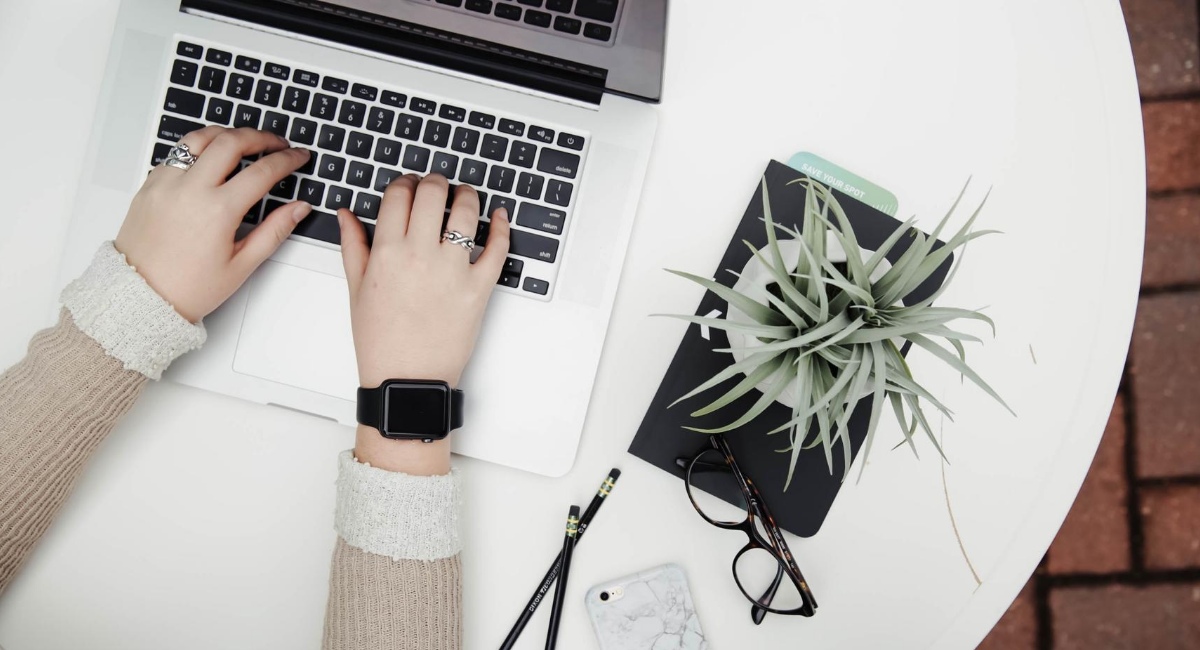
834 334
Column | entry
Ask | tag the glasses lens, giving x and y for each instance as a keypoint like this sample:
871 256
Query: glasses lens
757 571
710 483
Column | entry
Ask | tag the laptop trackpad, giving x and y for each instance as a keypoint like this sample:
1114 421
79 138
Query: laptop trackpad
297 331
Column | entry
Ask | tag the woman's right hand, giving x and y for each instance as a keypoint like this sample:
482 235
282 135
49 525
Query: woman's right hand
417 302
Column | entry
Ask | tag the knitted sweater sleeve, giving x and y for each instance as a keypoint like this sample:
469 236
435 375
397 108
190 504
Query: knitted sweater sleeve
395 576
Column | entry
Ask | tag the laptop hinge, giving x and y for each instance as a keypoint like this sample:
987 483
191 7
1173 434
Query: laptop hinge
413 42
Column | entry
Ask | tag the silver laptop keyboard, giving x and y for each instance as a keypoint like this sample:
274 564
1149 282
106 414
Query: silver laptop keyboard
364 134
591 21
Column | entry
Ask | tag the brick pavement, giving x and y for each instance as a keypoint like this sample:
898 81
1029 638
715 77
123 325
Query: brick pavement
1124 571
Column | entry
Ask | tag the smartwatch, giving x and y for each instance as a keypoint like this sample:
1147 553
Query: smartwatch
411 409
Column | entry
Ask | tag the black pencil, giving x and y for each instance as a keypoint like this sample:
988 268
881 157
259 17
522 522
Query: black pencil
560 591
552 573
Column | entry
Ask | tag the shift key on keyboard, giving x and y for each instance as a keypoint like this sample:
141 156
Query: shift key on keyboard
527 244
182 101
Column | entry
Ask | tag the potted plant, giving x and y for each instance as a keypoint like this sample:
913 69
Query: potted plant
821 325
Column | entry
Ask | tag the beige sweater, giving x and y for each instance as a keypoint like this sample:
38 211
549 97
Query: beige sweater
395 579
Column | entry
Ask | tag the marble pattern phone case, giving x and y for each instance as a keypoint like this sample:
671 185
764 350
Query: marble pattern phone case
653 612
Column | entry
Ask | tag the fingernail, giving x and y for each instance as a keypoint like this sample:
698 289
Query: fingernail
300 211
503 212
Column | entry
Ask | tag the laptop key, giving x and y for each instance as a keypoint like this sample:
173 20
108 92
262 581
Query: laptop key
482 120
509 279
541 218
534 285
303 131
597 31
190 50
276 71
559 163
482 6
529 186
219 111
501 179
541 133
512 127
408 127
312 190
513 265
420 105
295 99
332 137
331 167
558 192
568 25
481 231
248 64
359 174
465 140
508 12
240 86
537 18
212 79
324 106
506 202
309 167
267 93
359 144
570 141
159 154
483 196
319 225
247 116
453 113
387 152
522 154
493 147
537 247
219 57
530 3
174 128
286 187
367 205
444 164
380 120
473 172
276 123
352 113
384 177
305 78
437 133
364 92
338 197
392 98
450 3
416 158
184 73
562 6
335 85
184 102
603 10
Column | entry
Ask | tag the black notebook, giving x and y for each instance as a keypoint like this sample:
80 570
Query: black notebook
661 437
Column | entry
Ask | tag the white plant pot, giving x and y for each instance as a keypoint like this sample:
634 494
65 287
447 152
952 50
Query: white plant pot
753 282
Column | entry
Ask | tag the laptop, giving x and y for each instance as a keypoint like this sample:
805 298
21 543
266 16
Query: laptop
544 106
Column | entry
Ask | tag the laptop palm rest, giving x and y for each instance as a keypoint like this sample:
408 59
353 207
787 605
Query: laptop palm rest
296 331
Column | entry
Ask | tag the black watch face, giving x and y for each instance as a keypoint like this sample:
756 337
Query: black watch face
417 410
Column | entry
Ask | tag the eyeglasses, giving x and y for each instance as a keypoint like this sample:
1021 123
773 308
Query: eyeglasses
765 565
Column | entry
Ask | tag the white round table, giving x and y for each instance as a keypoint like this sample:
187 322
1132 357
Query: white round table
206 521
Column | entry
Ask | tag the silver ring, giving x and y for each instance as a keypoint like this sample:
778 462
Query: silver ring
455 237
180 157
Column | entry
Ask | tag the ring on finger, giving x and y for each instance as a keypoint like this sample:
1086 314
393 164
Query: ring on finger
180 157
455 237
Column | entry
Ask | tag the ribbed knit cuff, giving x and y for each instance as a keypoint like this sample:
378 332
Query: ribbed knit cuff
113 305
398 515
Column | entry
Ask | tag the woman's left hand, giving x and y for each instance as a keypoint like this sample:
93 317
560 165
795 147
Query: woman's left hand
179 233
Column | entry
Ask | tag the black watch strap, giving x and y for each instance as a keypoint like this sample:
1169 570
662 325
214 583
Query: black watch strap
370 407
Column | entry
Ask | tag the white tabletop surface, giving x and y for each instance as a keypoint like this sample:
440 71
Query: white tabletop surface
206 522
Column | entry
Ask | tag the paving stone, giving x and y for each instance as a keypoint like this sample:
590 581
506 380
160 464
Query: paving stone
1171 526
1163 34
1172 241
1017 629
1120 617
1166 384
1172 131
1099 512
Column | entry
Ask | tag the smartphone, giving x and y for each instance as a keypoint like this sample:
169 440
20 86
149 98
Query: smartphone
637 611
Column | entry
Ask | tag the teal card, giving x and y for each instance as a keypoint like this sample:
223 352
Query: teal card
845 181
